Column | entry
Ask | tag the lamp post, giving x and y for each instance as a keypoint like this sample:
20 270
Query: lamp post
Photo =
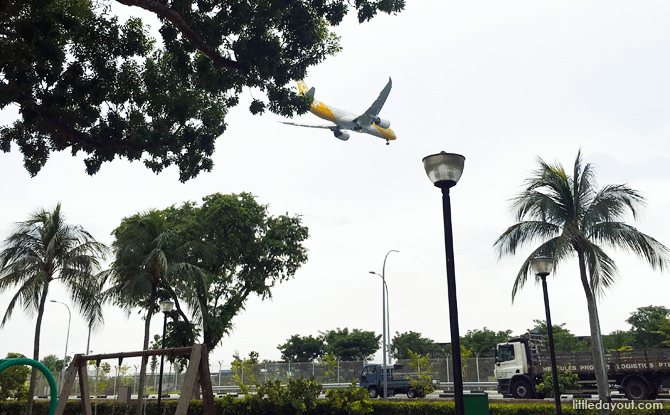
444 170
542 267
165 307
384 318
67 339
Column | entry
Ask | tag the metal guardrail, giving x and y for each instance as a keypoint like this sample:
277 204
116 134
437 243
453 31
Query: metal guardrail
445 386
475 386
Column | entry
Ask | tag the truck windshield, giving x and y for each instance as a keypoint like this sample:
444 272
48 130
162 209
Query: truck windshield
505 353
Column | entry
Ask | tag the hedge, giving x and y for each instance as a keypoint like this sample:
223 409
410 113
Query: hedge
232 406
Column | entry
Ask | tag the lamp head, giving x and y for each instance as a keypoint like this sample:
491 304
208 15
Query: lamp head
542 265
444 169
166 306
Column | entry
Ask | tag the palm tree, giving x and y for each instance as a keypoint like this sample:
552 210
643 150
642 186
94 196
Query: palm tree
568 215
44 249
151 264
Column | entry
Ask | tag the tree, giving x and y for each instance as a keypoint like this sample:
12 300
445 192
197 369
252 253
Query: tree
301 349
618 340
568 215
354 345
53 363
564 341
483 342
85 82
252 252
403 344
42 250
421 382
149 266
13 380
646 325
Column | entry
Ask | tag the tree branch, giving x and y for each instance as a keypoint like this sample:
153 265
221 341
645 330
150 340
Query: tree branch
178 21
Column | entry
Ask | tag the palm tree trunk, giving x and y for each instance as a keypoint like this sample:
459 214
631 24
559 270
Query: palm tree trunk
596 341
36 350
145 360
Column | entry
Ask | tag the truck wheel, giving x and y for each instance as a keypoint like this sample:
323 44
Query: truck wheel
636 390
411 393
373 392
522 390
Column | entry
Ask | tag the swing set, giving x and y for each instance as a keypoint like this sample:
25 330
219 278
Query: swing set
197 373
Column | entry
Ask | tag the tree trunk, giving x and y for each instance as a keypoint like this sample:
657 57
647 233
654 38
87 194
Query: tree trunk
143 366
36 350
596 342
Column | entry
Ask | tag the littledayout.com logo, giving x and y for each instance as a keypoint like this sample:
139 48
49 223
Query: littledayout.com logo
582 404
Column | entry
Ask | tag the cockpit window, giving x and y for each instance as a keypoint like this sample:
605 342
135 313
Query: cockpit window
505 353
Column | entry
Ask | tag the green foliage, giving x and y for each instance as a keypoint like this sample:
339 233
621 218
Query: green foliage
564 341
465 355
421 381
13 380
301 349
402 343
648 325
242 371
331 366
85 82
232 406
618 340
566 381
353 400
299 394
483 342
251 252
348 346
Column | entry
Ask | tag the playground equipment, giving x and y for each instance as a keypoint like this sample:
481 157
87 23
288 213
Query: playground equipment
197 372
5 363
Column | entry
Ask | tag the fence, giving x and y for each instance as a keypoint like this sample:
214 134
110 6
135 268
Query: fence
475 369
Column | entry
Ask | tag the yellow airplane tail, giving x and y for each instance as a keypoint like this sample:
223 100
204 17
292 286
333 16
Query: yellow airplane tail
302 87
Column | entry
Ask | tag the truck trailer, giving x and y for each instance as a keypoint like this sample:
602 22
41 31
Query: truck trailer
521 362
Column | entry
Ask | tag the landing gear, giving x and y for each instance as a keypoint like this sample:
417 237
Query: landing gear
387 142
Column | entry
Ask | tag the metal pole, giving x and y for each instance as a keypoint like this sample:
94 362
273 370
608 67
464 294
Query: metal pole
388 320
88 342
160 375
67 339
385 380
552 352
453 307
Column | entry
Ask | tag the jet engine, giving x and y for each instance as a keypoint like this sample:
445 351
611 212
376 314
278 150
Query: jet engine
382 123
342 135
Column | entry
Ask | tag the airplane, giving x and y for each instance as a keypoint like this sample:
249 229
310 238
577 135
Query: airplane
369 122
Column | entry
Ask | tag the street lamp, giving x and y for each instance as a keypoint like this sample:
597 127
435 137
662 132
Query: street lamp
67 339
444 170
542 267
384 318
165 307
388 310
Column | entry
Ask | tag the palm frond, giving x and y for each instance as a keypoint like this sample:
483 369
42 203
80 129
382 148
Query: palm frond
522 233
626 237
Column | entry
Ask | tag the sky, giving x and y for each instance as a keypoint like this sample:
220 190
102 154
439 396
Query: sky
501 83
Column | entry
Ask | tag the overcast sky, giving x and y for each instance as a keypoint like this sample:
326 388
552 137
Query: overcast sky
500 82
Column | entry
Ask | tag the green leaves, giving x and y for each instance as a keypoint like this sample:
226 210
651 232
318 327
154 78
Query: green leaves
85 82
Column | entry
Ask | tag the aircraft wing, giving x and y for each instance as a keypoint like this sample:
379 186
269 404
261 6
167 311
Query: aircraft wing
329 127
369 116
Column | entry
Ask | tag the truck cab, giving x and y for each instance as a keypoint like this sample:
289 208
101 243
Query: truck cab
513 369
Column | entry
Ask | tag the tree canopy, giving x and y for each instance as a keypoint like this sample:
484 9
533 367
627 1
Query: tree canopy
85 82
483 342
302 348
351 345
403 344
647 324
564 341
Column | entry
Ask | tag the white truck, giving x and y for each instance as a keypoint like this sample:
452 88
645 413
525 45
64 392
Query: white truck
521 362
